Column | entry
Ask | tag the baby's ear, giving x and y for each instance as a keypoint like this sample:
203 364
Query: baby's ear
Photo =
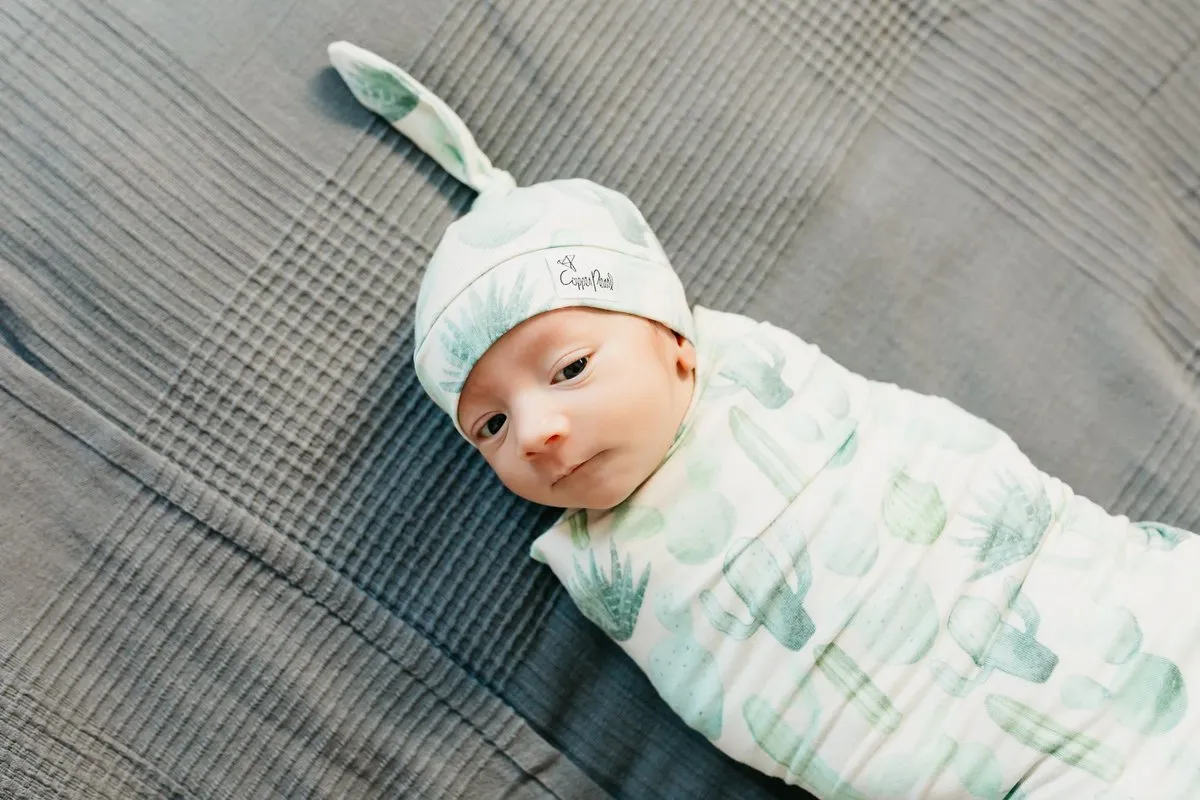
685 356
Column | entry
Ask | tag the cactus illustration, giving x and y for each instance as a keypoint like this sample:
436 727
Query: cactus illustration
897 774
577 524
994 644
613 603
913 510
1013 519
622 210
980 773
848 541
829 387
381 91
485 320
1162 537
794 752
857 687
758 580
846 430
744 367
684 673
496 221
1150 698
772 460
630 522
898 621
924 420
1035 729
700 526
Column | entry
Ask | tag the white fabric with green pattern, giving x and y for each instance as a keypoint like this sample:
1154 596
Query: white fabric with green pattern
520 251
871 593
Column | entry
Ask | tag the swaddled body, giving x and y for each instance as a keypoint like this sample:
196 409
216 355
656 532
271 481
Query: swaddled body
857 588
872 593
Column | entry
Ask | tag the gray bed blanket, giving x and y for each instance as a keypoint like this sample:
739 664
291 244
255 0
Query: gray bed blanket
241 555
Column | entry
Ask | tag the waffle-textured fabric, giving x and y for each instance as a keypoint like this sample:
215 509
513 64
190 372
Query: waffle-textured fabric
871 593
242 554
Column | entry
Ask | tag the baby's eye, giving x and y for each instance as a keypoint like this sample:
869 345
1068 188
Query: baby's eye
571 370
492 426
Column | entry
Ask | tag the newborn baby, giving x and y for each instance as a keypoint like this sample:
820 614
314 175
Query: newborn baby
859 589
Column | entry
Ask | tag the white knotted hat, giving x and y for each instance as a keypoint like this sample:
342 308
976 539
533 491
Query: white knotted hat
519 251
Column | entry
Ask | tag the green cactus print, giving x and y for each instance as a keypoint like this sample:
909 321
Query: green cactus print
612 602
758 580
899 774
1013 519
577 523
1160 536
829 387
566 237
702 522
913 510
1040 732
980 773
846 431
924 420
742 364
993 644
632 522
857 687
485 320
771 459
1150 698
847 542
794 752
684 673
700 527
1111 632
898 621
496 221
624 214
383 92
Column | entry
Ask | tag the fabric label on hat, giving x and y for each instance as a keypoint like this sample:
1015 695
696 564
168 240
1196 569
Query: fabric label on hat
585 273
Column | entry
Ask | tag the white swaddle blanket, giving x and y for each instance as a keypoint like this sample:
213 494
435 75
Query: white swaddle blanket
871 593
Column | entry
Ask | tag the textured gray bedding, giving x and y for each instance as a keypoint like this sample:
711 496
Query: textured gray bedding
242 556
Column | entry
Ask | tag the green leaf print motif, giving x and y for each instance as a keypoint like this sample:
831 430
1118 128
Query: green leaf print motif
684 673
771 459
847 542
761 584
993 644
1035 729
577 524
1013 518
898 621
383 92
857 687
913 510
1150 695
486 319
612 602
796 753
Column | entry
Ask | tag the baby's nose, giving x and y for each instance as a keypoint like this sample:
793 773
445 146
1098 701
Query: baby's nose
544 433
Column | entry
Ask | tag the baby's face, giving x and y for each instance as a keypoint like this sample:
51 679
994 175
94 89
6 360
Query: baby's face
576 407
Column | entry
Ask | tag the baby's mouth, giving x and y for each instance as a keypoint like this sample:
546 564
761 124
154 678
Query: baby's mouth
571 471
